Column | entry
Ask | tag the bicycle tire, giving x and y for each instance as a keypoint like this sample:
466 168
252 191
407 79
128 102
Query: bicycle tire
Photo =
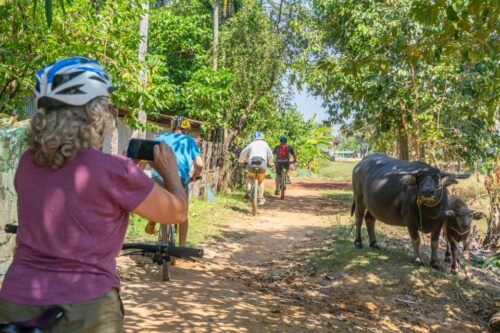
283 184
255 196
163 238
171 239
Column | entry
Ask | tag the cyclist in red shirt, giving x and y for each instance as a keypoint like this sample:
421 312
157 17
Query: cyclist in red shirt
282 154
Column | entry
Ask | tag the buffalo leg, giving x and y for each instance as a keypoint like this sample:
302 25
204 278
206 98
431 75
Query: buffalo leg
370 225
360 211
467 258
447 253
434 248
415 240
454 259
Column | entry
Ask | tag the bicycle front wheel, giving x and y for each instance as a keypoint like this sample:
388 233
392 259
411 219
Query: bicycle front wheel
166 235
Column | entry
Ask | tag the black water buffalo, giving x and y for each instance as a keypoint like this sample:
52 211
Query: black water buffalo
411 194
457 224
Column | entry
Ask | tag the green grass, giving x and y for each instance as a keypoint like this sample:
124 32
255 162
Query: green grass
335 171
339 195
207 220
331 171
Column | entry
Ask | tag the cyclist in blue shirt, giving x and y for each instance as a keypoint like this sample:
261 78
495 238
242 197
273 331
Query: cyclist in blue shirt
187 155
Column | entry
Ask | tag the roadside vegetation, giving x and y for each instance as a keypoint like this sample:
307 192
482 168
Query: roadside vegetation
207 220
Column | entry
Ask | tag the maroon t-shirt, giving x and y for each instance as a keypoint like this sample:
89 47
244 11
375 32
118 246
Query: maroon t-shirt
72 223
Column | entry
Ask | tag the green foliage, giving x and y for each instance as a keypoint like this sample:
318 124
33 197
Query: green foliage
110 36
243 94
350 143
493 262
392 71
238 94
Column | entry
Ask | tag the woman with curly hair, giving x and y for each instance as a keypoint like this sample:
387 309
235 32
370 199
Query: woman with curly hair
74 203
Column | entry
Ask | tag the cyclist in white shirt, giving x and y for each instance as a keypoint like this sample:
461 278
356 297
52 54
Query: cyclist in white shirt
257 155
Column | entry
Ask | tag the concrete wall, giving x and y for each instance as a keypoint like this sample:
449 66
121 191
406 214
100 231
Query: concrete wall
11 149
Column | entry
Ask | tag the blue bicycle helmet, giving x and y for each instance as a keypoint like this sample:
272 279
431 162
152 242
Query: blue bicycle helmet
71 81
283 139
258 136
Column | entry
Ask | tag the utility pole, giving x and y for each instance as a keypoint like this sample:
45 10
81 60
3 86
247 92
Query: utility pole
143 49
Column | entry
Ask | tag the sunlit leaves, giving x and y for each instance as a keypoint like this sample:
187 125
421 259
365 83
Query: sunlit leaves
428 67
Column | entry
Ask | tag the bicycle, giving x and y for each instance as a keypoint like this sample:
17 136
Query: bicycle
166 235
43 323
283 180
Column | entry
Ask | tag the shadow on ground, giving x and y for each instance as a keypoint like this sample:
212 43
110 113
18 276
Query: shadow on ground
286 270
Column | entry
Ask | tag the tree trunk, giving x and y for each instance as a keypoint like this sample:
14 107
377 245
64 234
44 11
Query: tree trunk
402 142
224 11
216 34
491 185
416 149
278 18
422 151
227 168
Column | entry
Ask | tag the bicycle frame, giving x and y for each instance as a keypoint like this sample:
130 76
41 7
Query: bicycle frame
166 235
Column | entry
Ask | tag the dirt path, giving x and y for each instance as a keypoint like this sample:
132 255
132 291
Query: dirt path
206 296
293 268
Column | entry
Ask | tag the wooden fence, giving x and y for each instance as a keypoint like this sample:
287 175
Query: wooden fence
213 173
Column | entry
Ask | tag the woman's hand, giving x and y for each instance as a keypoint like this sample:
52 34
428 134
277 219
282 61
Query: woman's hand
164 161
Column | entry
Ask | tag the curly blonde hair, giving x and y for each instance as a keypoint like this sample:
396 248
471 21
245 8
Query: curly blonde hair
56 135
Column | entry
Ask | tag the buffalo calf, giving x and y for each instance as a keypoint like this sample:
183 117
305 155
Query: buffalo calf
457 228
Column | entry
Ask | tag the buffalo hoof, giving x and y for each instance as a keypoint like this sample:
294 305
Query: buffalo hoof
447 259
358 245
375 246
435 265
417 262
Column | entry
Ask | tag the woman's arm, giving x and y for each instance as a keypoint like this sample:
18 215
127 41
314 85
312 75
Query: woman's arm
163 207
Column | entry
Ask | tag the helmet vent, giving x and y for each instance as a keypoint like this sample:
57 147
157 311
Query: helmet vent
97 79
75 90
63 78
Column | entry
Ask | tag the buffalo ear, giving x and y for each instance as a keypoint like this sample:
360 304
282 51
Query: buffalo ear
449 180
409 180
449 213
478 215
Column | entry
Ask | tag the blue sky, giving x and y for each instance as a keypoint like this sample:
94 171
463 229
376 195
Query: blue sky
309 105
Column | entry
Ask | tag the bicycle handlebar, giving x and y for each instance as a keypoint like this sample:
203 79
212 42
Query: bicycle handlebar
165 248
151 248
